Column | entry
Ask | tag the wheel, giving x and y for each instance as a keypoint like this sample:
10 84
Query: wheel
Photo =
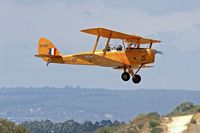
125 76
136 79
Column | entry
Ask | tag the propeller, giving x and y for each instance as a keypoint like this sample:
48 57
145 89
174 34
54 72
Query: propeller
158 52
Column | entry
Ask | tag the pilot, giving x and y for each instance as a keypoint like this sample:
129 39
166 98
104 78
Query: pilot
129 45
118 47
108 49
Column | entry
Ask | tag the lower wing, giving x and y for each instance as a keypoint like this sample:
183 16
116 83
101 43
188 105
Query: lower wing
98 60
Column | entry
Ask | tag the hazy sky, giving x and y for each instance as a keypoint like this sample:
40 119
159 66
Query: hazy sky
22 23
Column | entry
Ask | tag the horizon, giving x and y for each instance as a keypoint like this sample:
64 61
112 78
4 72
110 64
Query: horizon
85 88
22 104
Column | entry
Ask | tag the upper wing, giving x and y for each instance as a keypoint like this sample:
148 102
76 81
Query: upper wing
98 60
135 39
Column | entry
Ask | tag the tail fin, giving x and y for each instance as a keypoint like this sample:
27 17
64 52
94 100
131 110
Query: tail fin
46 47
48 52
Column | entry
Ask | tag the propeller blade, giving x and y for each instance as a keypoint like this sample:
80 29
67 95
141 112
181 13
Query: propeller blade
158 52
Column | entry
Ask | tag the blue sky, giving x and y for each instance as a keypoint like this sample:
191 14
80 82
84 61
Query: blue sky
22 23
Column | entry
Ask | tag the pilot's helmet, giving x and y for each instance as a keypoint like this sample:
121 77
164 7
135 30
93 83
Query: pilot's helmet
119 47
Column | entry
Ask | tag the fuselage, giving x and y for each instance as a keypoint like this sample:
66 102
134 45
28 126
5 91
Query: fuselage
129 57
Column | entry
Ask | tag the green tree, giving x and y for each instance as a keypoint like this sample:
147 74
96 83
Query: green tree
10 127
185 108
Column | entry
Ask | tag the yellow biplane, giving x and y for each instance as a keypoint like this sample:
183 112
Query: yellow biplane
128 56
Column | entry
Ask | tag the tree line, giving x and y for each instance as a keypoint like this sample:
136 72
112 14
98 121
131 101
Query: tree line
69 126
46 126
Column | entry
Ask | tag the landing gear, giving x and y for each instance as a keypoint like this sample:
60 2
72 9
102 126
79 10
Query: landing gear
125 76
136 79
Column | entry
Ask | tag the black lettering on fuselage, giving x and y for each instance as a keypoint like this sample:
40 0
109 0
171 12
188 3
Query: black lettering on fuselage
43 45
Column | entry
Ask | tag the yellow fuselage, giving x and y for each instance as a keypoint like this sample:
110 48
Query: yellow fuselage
132 57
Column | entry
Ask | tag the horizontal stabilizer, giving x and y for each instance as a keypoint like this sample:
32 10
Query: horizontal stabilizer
49 56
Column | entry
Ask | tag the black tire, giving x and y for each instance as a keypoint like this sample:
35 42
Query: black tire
136 79
125 76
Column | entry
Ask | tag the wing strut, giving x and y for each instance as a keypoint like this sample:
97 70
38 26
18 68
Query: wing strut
95 45
107 45
138 43
150 45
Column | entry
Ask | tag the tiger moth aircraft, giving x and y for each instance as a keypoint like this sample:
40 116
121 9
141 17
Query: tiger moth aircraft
129 56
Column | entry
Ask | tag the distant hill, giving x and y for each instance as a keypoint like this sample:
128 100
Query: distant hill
61 104
185 118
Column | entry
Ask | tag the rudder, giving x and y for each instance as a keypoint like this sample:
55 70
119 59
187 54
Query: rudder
46 47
